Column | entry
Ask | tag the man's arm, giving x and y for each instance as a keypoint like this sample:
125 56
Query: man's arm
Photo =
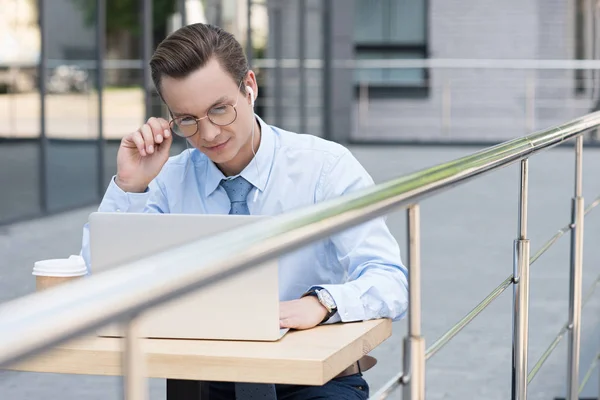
377 285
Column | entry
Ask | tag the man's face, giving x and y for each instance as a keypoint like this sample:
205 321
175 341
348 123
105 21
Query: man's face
211 90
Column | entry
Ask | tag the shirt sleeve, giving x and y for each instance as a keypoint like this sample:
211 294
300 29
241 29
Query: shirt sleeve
377 284
152 200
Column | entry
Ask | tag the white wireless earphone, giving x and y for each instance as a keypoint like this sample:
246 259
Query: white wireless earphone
249 89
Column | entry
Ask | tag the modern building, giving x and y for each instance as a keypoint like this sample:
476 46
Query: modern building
377 71
490 70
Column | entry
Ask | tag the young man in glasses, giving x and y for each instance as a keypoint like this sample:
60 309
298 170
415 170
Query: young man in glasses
241 165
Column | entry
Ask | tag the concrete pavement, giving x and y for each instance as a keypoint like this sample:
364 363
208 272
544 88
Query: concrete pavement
467 236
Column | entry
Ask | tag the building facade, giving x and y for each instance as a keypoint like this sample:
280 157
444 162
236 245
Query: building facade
354 71
490 78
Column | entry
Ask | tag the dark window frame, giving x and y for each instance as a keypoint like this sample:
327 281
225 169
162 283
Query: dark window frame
579 47
398 90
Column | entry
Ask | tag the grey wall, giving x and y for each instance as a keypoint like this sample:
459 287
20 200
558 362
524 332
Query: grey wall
462 104
486 104
19 179
70 37
71 174
289 104
340 32
477 29
555 41
341 85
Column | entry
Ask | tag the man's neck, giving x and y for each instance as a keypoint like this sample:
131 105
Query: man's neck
245 156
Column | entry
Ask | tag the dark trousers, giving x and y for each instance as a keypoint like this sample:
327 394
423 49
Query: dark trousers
351 387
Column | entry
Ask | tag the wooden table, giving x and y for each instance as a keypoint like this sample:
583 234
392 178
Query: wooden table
310 357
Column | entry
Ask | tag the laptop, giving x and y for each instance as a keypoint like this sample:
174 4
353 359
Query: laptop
244 306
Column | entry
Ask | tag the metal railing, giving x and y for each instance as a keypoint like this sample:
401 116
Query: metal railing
466 99
37 322
458 96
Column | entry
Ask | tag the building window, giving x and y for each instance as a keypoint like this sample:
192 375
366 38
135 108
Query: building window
585 28
391 29
580 45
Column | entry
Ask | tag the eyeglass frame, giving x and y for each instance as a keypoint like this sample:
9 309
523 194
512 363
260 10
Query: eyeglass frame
172 121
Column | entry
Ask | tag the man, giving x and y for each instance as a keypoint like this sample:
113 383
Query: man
241 165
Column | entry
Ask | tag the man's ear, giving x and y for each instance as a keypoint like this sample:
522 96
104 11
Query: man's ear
250 81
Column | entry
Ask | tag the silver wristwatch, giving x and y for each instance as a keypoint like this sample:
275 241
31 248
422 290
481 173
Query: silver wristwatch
325 299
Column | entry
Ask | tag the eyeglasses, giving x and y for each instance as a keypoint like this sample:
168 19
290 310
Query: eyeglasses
220 115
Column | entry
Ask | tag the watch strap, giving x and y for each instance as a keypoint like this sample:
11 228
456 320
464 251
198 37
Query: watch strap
314 291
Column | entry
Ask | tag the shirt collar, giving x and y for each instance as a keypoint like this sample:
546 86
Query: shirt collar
256 172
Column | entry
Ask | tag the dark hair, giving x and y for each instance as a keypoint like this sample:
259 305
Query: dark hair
191 47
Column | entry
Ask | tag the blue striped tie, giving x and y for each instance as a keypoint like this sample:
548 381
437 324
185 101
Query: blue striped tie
237 190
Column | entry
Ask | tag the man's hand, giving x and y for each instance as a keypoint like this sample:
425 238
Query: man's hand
304 313
142 155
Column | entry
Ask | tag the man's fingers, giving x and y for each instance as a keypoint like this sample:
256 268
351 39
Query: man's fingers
286 314
285 309
157 130
166 143
290 323
148 138
164 125
138 140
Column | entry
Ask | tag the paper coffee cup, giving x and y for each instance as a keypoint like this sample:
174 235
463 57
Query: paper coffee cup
55 271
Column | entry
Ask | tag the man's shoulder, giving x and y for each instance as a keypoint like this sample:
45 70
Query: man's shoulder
303 142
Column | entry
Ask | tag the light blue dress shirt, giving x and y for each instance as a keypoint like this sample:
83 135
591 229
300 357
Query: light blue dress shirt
360 267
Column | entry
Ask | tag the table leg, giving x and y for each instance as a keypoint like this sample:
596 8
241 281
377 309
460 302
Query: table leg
180 389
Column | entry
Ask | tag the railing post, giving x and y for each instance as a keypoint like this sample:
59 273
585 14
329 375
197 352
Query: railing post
521 294
414 343
134 385
577 214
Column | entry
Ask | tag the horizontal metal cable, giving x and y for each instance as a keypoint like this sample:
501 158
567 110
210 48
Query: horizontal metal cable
561 232
560 335
547 353
389 387
592 205
549 243
396 381
444 339
435 347
588 374
591 290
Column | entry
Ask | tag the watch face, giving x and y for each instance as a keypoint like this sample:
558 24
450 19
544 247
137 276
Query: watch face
326 299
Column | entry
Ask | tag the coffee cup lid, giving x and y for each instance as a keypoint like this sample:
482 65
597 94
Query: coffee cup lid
60 267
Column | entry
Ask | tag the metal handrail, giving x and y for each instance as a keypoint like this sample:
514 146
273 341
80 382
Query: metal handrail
496 292
37 322
398 379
